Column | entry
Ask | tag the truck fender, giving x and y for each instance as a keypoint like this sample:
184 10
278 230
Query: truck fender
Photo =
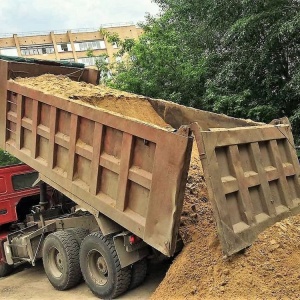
126 257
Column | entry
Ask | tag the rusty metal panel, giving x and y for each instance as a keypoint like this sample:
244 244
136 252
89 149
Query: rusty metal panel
252 175
177 115
131 172
15 69
3 103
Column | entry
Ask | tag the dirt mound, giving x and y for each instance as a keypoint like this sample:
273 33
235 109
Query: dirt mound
269 269
195 205
125 104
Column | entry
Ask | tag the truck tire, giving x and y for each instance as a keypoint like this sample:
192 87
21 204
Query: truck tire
79 234
138 273
5 269
101 267
61 260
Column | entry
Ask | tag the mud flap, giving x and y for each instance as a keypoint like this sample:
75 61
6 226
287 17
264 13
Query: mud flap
129 257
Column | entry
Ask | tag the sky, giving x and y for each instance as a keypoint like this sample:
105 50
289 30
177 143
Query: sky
45 15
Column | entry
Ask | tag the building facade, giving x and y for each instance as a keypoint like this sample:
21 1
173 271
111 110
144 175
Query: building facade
69 45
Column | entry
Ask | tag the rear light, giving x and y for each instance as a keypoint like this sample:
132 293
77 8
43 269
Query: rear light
133 239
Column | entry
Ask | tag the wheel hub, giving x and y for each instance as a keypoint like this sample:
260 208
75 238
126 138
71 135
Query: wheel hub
101 265
56 264
59 261
97 267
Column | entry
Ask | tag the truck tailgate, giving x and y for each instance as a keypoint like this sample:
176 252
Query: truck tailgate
252 175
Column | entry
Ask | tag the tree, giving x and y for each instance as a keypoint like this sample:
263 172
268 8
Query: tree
102 64
257 65
241 58
6 159
159 66
252 51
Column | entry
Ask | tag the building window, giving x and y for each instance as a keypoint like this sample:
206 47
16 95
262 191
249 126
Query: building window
93 45
91 61
37 50
102 45
9 51
66 47
88 61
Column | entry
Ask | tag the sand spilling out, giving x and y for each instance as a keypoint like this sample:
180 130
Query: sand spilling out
125 104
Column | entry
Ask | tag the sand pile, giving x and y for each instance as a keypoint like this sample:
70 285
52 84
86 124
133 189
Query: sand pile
269 269
122 103
195 205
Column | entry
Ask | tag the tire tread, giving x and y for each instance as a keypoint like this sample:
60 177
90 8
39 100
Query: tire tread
71 247
78 233
123 274
5 269
138 273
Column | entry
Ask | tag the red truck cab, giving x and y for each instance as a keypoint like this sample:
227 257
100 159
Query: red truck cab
16 192
16 198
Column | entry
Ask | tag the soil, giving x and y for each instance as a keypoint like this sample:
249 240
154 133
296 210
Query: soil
195 203
122 103
31 283
269 269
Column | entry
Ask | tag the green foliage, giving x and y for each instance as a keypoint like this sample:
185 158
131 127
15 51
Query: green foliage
259 58
295 121
240 58
157 66
6 159
113 38
102 65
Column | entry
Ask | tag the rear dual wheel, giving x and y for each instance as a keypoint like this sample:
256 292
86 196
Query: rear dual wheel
101 267
99 263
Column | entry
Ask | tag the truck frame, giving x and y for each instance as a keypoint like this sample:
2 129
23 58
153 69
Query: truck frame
128 180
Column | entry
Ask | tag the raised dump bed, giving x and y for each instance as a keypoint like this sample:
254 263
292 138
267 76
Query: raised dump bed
105 162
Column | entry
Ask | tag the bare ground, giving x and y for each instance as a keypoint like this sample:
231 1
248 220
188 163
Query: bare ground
31 283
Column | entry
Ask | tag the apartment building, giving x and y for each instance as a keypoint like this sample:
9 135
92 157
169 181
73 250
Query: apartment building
67 45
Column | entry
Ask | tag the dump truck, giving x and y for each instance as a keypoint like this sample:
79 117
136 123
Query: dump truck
126 179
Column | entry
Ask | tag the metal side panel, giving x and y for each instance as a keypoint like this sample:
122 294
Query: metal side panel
252 175
131 172
11 69
177 115
3 102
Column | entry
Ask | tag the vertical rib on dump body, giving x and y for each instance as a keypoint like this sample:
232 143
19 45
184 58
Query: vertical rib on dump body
132 172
